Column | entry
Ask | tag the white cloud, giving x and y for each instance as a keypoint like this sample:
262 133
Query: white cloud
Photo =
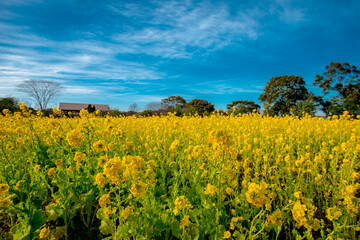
169 29
182 29
137 97
73 89
175 29
224 89
25 55
288 12
19 2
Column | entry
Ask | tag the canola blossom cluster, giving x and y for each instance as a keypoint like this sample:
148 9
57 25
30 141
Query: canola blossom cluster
168 177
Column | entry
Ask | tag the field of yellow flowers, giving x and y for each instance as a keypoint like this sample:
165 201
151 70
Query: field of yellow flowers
215 177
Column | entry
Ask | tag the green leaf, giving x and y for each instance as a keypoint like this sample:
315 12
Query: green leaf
160 226
246 216
105 228
37 220
21 231
194 231
175 228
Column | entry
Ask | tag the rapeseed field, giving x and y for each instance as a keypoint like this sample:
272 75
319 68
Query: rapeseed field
168 177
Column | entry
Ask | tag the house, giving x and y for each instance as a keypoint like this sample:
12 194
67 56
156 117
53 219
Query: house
76 107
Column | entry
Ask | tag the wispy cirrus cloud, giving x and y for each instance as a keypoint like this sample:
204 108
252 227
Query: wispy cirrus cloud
19 2
220 89
25 55
287 12
213 49
177 29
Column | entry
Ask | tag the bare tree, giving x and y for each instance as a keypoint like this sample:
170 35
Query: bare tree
134 108
42 91
154 106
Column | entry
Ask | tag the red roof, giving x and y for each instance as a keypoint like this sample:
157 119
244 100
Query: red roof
79 106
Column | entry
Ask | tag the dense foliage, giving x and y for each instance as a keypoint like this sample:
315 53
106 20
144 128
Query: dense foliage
342 83
242 107
9 103
213 177
281 94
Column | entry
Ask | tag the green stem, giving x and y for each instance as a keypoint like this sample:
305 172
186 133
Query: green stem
252 223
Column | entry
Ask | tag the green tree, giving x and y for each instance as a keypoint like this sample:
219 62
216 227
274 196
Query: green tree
304 106
173 102
145 113
200 106
342 82
242 107
116 113
322 104
8 103
339 106
281 93
91 108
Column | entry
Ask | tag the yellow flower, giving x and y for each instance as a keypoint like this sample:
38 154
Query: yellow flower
6 201
276 218
181 202
57 111
100 179
84 113
23 107
256 194
351 189
298 195
355 175
59 163
6 112
19 185
107 212
211 190
236 219
138 189
220 138
51 172
318 177
227 235
299 213
44 233
102 160
229 191
185 222
112 169
79 157
78 165
127 212
99 146
104 200
174 145
74 137
4 189
176 211
37 168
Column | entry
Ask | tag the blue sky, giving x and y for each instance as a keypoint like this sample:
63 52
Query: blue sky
124 52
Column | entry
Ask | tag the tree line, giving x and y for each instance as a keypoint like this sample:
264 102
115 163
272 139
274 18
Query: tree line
340 85
288 95
283 95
